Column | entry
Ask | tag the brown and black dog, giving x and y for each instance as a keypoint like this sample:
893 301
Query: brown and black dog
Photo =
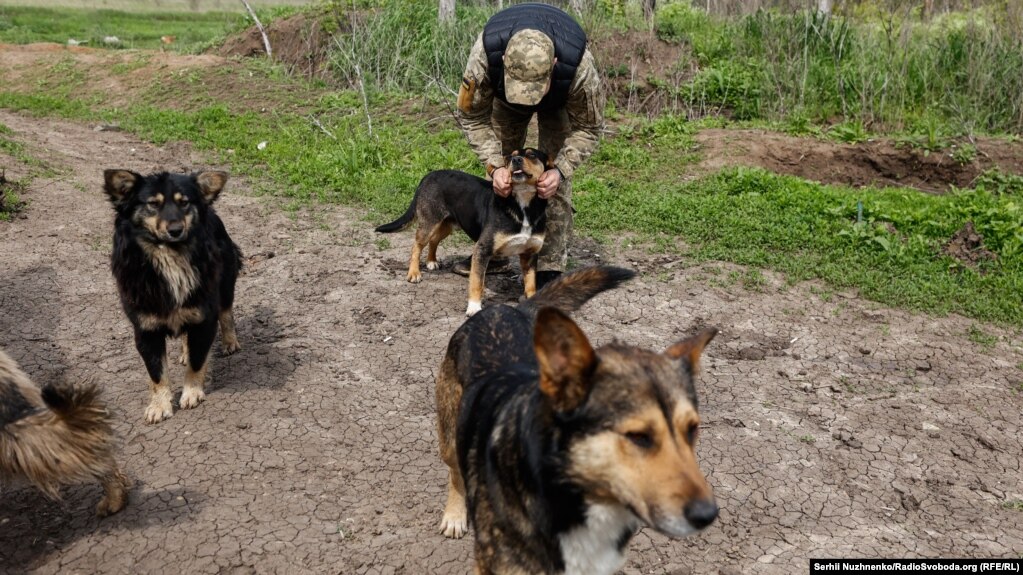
176 268
559 453
55 436
505 226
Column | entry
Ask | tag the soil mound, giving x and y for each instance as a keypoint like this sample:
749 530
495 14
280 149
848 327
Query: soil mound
636 65
877 163
299 42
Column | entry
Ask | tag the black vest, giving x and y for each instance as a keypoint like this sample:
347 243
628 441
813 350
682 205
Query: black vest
569 47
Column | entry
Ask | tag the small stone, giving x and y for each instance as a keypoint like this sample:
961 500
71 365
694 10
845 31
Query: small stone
752 354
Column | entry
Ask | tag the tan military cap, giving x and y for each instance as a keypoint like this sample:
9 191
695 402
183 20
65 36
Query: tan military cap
528 63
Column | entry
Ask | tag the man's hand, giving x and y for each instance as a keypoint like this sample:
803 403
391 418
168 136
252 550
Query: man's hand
547 184
502 181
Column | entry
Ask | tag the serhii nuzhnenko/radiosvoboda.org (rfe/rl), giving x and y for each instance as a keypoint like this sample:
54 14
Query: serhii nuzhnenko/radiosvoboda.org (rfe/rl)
923 565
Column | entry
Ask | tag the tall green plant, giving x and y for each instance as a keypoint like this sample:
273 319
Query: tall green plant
402 46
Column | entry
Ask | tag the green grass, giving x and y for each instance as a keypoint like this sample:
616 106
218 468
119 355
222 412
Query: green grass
146 6
21 25
807 231
1014 505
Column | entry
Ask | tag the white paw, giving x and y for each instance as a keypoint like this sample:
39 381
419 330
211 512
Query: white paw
191 397
432 266
158 410
454 527
472 308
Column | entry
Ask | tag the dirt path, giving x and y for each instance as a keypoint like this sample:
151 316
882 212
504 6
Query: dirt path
833 427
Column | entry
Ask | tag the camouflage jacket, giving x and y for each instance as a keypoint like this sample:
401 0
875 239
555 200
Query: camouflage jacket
585 107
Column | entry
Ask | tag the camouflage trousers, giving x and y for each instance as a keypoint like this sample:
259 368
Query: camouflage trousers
510 126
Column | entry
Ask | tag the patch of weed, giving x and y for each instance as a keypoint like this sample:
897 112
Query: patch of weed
980 337
10 197
754 280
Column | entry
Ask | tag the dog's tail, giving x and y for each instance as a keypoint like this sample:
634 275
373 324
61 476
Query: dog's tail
570 291
405 219
78 407
69 440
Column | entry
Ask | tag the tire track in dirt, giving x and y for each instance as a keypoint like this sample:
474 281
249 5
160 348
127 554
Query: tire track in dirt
832 428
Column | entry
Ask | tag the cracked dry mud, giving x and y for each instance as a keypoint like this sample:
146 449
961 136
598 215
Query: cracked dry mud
832 426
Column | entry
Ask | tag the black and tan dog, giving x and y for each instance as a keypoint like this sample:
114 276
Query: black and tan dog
55 436
563 452
503 226
176 269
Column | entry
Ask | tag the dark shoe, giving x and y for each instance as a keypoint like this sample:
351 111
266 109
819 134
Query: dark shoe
546 277
497 266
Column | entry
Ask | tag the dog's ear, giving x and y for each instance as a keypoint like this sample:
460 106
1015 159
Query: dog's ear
691 348
118 184
565 357
210 184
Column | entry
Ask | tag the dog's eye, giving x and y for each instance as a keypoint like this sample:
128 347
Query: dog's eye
153 203
184 202
692 432
640 439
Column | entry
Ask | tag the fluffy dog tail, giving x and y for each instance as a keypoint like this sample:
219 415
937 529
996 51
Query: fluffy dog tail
570 291
405 219
79 408
68 440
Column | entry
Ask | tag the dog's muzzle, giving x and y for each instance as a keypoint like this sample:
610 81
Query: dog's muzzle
701 513
517 172
175 231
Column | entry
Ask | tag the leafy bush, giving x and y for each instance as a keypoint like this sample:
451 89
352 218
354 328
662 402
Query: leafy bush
731 85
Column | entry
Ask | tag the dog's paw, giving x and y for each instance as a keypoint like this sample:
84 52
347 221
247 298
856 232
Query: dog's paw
116 496
454 527
414 277
230 346
183 358
191 397
108 507
159 409
432 266
472 308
